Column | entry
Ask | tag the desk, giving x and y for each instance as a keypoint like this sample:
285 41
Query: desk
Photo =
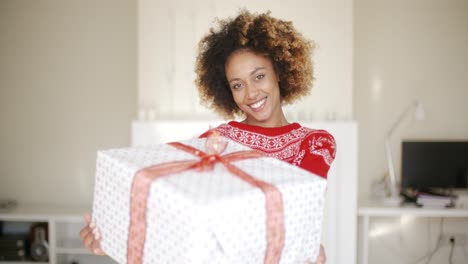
368 209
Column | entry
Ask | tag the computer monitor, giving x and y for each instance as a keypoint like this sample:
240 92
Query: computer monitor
434 164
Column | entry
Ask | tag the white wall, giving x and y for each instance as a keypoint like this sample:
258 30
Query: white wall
405 50
169 32
67 88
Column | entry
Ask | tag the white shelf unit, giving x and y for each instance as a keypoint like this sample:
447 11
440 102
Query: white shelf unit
64 225
372 208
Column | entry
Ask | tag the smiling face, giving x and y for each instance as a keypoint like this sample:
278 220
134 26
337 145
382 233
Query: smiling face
255 87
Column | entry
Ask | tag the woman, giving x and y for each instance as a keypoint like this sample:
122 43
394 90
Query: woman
265 63
250 66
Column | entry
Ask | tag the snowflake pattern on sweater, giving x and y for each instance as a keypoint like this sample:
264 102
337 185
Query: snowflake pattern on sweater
311 149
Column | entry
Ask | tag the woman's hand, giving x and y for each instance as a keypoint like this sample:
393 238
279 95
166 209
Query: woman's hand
90 236
321 259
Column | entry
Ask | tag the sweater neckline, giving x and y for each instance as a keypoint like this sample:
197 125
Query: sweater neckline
270 131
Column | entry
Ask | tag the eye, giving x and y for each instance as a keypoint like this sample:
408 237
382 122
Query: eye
236 86
260 76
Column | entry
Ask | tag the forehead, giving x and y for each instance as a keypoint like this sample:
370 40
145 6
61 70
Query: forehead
244 61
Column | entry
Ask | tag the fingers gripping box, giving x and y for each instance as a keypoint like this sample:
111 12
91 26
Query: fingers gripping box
229 207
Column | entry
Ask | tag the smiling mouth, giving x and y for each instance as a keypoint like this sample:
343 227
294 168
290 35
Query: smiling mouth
258 105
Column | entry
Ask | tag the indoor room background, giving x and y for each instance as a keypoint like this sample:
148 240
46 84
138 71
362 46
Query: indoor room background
75 74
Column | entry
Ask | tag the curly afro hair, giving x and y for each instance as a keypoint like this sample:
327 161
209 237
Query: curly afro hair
262 34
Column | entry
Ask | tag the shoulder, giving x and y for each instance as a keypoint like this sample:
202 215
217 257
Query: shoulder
317 151
320 135
319 138
316 135
320 142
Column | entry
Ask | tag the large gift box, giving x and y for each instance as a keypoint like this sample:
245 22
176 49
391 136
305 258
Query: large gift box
183 203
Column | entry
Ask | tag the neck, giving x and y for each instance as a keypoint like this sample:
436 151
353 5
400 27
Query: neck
276 122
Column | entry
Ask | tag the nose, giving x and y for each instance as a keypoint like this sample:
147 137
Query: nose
252 91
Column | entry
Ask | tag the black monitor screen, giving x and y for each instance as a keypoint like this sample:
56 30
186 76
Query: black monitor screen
434 164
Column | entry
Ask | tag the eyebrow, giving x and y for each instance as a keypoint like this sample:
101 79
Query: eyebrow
250 74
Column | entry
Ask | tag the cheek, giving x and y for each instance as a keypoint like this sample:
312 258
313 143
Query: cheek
238 97
270 86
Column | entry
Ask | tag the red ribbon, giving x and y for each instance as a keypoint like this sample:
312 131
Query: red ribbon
142 182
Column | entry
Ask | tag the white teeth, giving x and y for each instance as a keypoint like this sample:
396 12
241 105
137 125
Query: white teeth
258 104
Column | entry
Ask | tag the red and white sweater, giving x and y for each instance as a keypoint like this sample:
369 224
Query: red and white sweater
311 149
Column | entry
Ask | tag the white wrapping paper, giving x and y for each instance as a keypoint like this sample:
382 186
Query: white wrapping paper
206 217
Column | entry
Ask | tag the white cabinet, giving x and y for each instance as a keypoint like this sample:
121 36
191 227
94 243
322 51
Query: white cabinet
64 225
